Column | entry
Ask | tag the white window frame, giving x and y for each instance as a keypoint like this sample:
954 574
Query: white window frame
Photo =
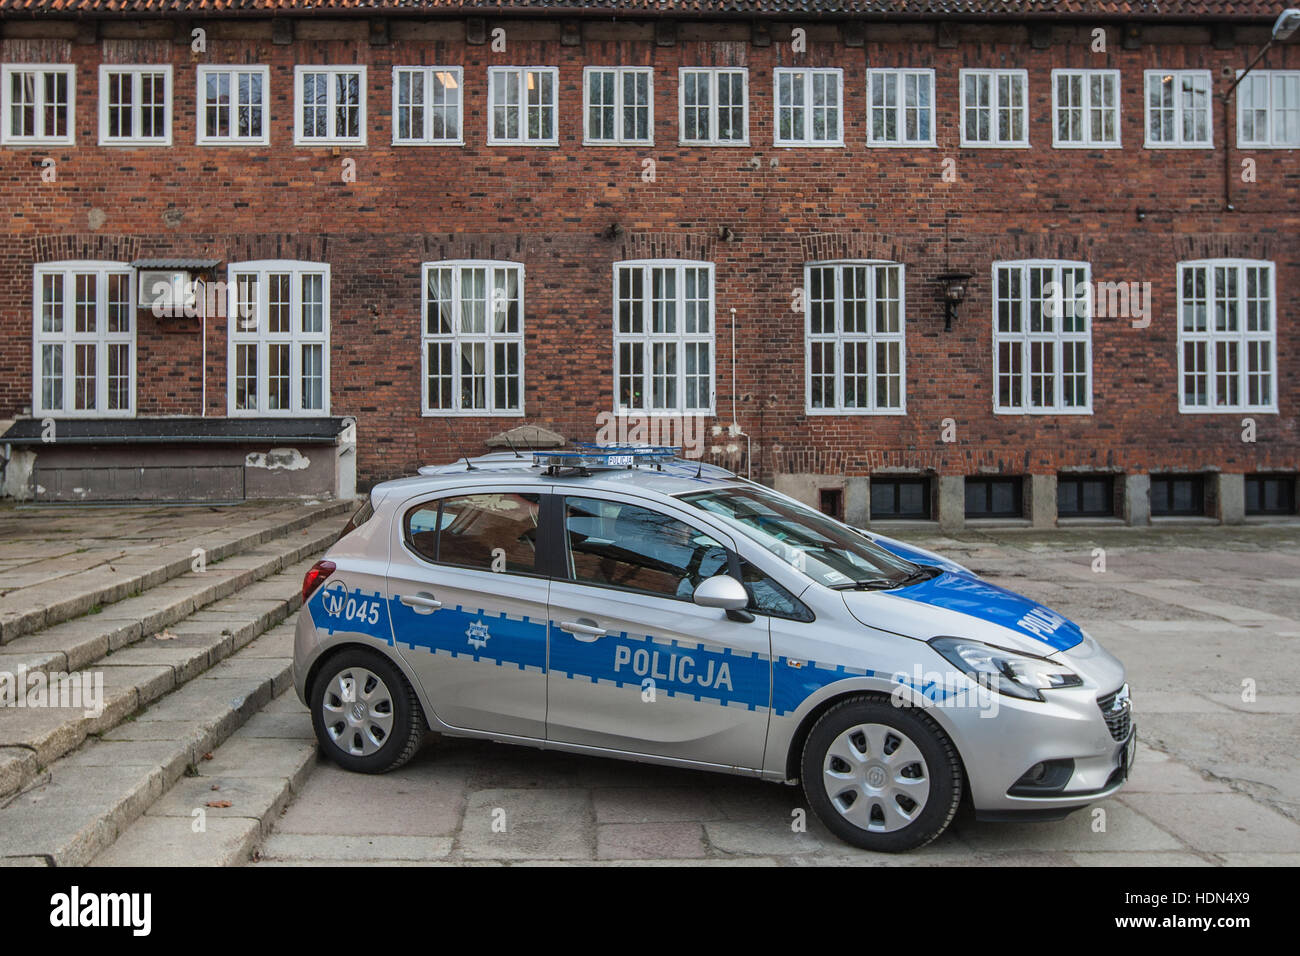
899 108
680 338
458 337
1056 338
841 339
712 73
202 138
295 338
807 139
619 105
135 70
521 74
1088 107
427 75
332 139
1242 337
7 72
995 106
68 338
1273 79
1179 142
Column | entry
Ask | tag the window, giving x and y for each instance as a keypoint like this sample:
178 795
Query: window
619 105
84 348
473 338
768 597
808 107
900 498
1042 342
1178 109
1085 496
1226 336
233 106
37 103
994 497
1085 104
471 531
279 319
663 336
331 106
1270 494
522 105
994 108
633 548
830 502
428 106
135 105
855 355
900 107
714 107
1268 110
1177 495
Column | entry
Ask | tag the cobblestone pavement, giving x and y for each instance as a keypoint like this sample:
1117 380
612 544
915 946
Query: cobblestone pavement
1198 614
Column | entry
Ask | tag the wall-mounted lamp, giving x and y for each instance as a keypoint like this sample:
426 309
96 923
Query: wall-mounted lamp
954 291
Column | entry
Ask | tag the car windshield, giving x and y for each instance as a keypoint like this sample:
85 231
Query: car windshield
830 553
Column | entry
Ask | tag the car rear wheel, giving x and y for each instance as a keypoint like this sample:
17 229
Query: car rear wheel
366 716
881 777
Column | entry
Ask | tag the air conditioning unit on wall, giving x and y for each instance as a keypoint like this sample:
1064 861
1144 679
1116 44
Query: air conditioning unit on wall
169 293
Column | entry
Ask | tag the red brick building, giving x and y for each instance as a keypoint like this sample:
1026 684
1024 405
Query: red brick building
446 221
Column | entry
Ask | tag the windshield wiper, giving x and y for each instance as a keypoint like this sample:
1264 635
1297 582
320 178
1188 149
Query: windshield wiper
871 584
923 572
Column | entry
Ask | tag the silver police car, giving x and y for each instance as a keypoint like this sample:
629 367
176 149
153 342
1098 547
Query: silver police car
628 603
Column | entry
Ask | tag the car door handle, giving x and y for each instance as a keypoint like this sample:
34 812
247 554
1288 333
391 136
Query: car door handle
422 603
586 631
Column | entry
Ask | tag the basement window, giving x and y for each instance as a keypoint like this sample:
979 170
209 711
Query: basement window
1270 494
900 499
830 501
1085 496
1177 495
994 497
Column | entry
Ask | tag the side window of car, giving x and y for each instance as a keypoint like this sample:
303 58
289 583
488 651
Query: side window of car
496 531
626 546
768 597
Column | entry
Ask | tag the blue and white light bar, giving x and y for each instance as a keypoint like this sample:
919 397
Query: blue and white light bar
592 457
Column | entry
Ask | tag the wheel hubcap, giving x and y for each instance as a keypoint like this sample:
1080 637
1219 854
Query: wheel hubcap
357 711
876 778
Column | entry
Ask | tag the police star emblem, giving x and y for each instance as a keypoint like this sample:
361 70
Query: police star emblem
478 634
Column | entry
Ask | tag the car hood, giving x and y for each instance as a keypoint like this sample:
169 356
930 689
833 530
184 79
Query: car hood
958 604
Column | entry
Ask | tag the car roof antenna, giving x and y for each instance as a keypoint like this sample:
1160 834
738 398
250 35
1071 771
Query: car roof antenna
512 446
699 471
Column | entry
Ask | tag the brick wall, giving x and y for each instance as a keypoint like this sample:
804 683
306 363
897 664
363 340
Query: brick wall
547 207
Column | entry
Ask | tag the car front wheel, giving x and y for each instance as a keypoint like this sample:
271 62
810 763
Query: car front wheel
366 716
881 777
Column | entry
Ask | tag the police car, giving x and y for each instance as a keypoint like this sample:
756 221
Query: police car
627 603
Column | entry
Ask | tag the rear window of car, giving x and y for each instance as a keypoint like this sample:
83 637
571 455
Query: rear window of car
494 531
360 517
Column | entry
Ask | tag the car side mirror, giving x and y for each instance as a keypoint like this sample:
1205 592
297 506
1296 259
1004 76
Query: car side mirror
722 591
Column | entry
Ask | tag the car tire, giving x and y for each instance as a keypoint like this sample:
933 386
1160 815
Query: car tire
879 776
380 727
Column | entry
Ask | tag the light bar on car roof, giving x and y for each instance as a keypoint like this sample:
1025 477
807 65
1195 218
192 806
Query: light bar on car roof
589 456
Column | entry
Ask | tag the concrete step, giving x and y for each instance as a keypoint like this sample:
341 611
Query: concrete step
73 645
165 762
59 587
32 739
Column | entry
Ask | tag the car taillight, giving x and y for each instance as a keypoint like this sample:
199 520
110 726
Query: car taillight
314 576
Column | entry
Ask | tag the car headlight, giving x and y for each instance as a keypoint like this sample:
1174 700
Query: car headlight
1008 672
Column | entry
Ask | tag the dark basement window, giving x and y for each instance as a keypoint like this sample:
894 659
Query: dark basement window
1177 495
899 498
1270 494
994 497
1085 496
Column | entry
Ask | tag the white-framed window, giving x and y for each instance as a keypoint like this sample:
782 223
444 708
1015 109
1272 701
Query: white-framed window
428 106
663 336
233 106
809 107
855 347
83 356
472 361
278 338
1268 110
1227 336
618 105
713 106
37 104
995 108
330 105
522 105
135 105
1085 109
900 108
1178 109
1042 337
